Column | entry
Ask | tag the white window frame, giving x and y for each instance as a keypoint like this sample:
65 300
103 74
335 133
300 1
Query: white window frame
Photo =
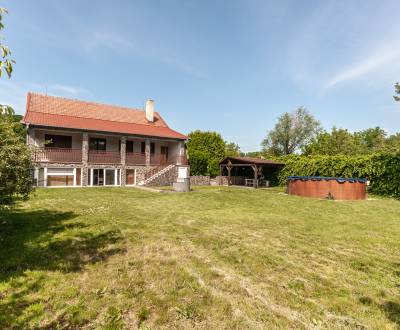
104 182
73 174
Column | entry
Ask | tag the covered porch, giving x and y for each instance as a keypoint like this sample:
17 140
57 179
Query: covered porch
246 171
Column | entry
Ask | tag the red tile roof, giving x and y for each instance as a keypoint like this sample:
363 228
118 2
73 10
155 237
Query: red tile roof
60 112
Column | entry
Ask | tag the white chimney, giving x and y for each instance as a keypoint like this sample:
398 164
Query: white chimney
150 110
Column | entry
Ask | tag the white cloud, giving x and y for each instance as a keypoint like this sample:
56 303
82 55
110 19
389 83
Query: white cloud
68 90
369 65
112 41
14 94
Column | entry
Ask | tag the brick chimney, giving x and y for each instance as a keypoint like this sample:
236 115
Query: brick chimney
150 110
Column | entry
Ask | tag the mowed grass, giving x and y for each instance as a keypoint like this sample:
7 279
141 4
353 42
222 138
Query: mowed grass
214 258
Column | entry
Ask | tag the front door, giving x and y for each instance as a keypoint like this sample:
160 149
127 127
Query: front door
164 155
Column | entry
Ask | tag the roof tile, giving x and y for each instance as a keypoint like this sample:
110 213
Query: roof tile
66 113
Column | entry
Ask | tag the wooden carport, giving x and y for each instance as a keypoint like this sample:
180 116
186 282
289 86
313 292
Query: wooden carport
258 165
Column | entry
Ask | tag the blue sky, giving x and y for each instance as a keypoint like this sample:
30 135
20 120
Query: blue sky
230 66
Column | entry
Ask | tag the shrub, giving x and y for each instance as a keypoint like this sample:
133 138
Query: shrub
198 163
382 169
15 161
209 144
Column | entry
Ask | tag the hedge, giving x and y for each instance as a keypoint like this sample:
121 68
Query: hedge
382 170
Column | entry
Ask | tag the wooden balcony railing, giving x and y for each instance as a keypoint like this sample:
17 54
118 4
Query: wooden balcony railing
66 155
57 155
135 158
162 159
104 157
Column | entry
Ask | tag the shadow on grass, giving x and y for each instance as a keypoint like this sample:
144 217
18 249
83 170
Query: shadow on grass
43 240
392 311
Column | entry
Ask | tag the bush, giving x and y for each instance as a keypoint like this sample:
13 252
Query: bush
198 163
15 161
209 144
382 169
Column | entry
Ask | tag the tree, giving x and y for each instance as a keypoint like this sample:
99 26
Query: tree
15 157
6 63
371 139
208 144
339 141
232 149
15 160
392 143
291 133
397 91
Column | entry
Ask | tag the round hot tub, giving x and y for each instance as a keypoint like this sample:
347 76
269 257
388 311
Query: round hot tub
329 188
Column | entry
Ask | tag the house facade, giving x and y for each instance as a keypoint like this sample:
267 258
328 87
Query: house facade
78 143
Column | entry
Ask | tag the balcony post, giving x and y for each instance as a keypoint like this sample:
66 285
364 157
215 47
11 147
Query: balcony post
30 136
147 152
123 161
85 156
181 153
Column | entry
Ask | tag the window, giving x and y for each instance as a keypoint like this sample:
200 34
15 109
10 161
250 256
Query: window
143 147
97 144
58 141
110 177
129 146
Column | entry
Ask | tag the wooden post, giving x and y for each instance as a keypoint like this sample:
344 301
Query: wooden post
229 168
255 183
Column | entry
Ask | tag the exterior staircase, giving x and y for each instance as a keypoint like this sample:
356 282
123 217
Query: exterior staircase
161 175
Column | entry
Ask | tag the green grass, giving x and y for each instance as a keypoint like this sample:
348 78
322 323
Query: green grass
214 258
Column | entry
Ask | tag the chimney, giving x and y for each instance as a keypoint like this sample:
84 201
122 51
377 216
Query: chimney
150 110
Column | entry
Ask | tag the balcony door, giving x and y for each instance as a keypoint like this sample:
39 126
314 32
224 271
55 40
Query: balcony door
97 144
98 177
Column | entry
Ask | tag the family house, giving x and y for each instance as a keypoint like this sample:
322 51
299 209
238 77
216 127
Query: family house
79 143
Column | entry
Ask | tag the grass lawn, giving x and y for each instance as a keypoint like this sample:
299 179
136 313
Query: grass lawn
213 258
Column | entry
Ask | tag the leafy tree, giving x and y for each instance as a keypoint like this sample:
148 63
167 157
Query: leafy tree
15 160
252 154
291 133
371 139
209 144
232 149
397 91
6 63
392 143
339 141
15 157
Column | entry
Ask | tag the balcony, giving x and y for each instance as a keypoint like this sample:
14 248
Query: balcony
66 155
135 158
104 157
57 155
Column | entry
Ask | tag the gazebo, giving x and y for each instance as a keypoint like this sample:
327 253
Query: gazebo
248 171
